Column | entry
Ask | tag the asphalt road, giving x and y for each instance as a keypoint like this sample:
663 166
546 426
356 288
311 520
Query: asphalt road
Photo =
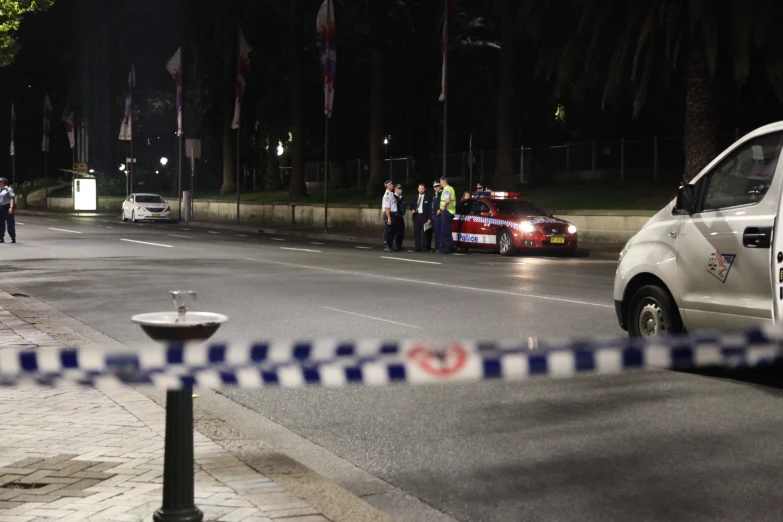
652 446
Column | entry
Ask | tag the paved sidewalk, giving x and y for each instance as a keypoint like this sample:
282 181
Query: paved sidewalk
71 453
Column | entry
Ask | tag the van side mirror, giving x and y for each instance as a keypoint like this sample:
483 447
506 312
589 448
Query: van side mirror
686 200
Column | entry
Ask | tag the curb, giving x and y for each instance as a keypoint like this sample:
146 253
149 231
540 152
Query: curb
591 252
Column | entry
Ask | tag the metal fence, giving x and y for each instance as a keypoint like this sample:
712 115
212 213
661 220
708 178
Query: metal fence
653 159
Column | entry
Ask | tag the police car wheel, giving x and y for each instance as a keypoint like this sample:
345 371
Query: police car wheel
505 243
653 313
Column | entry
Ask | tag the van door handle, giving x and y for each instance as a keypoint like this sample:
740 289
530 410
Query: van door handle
757 237
672 234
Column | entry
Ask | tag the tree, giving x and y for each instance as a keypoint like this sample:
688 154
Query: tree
379 13
298 187
504 168
230 49
658 43
11 14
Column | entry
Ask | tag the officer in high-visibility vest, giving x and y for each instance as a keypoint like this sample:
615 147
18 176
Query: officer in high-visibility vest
448 207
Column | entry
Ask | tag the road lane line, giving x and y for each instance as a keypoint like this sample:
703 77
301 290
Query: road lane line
276 239
19 223
300 249
186 237
410 260
107 226
146 243
53 220
212 232
241 235
63 230
446 285
185 229
363 248
370 317
316 243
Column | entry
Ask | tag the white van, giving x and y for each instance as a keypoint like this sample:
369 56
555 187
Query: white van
713 258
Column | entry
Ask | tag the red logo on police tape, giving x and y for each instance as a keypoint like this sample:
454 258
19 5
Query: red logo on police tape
440 363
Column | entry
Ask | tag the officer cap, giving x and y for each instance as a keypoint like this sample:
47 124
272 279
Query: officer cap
4 180
436 183
388 182
398 186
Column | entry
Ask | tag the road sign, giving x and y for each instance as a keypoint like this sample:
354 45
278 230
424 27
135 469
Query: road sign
192 148
130 160
80 168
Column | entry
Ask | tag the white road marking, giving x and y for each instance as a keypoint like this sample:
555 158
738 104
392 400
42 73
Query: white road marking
186 237
241 235
410 260
145 243
185 229
107 226
53 220
249 259
212 232
445 285
63 230
458 254
370 317
276 239
363 248
161 226
316 243
300 249
19 223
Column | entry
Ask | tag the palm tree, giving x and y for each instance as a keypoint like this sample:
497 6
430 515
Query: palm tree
647 43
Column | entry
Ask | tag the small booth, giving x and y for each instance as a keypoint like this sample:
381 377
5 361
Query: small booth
85 193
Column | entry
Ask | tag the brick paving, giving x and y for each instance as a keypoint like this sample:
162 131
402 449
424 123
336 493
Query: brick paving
72 453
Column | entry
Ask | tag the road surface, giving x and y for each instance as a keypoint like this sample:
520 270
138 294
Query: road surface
651 446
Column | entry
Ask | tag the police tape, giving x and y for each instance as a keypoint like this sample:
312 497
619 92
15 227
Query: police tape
378 363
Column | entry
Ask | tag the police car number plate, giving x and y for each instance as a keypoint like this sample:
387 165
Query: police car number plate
557 240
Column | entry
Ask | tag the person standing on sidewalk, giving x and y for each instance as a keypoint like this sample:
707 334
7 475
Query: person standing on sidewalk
421 212
7 203
389 208
399 220
435 230
448 207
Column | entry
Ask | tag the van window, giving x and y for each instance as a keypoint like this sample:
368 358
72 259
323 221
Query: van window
744 176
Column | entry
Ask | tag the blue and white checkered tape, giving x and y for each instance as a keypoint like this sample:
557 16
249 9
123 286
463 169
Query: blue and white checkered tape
379 363
487 221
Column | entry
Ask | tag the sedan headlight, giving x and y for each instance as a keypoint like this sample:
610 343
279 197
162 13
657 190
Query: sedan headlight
571 229
527 227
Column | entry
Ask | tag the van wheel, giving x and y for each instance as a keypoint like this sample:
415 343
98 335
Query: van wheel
653 313
505 243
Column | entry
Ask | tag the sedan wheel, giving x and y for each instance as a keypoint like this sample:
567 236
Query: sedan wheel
133 216
505 243
124 217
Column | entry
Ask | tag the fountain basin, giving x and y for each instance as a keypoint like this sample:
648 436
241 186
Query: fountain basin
174 326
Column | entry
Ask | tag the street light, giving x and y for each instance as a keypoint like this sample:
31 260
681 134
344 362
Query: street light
92 171
386 141
164 160
122 167
280 150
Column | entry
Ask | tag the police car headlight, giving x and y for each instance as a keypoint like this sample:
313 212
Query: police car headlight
572 229
527 227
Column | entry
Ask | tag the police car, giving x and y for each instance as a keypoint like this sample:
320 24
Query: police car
504 222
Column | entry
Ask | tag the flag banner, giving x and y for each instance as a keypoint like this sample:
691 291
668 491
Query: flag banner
47 111
447 12
242 68
126 129
68 121
325 34
174 67
13 125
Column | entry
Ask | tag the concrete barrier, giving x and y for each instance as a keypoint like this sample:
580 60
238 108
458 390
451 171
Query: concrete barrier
105 204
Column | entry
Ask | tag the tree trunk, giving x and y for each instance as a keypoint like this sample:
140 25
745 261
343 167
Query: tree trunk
229 77
272 181
504 168
377 171
298 187
701 129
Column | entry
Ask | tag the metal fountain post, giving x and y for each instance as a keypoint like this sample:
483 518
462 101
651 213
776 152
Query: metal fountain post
178 485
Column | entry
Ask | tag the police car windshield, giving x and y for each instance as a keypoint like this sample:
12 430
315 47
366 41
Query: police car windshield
518 208
149 199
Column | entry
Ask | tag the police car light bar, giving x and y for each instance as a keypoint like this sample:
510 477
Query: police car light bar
497 194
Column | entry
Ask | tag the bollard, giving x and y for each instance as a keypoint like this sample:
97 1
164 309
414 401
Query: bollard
178 487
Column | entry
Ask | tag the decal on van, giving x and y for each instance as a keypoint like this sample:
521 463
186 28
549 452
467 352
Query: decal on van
719 265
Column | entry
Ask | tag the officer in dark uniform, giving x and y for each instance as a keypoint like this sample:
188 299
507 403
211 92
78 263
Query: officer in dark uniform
398 222
435 230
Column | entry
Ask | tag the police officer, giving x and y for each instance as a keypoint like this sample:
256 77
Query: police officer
435 230
399 219
389 208
448 207
7 203
421 211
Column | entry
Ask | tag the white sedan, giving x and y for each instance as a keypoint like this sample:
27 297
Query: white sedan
145 207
